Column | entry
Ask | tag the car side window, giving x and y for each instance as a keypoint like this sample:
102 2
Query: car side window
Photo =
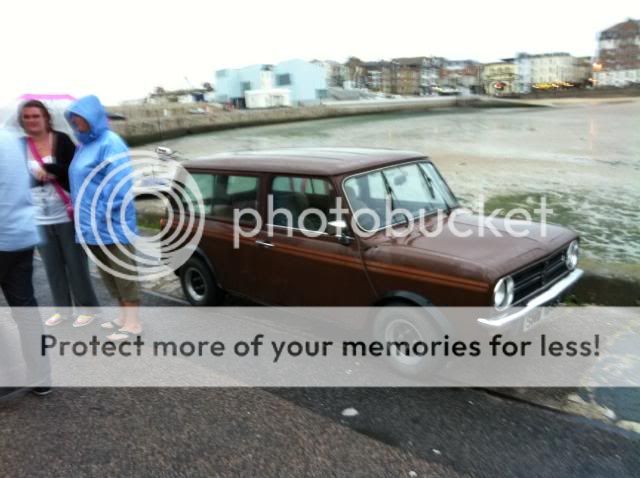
204 183
234 192
297 194
241 184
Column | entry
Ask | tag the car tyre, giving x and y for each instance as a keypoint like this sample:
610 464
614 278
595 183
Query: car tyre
401 321
198 283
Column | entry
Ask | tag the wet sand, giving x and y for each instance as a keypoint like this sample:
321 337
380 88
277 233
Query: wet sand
583 155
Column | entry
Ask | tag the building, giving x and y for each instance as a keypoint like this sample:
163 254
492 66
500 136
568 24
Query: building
193 95
461 74
413 75
336 73
400 76
231 84
524 79
264 95
584 70
418 75
356 73
499 78
381 76
267 98
618 59
549 70
305 82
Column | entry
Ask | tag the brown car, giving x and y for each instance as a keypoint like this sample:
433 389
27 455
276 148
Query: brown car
272 234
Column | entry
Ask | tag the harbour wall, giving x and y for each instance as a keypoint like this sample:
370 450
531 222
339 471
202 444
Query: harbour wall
154 123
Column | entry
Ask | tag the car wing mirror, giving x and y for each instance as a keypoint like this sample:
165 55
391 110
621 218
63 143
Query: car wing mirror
164 153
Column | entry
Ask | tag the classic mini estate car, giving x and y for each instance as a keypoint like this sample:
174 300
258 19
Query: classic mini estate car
273 234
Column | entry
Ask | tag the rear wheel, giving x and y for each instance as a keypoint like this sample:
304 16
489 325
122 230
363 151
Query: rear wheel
198 283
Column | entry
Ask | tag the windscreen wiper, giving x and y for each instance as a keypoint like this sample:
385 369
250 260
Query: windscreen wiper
390 196
429 182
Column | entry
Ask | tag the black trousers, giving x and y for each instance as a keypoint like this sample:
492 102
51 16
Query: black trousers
16 270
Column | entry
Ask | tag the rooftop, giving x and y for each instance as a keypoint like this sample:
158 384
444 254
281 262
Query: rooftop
629 28
542 55
317 161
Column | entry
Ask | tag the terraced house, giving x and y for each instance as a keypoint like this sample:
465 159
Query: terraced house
550 70
499 78
618 60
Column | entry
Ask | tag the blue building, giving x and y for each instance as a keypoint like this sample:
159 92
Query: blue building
231 84
306 81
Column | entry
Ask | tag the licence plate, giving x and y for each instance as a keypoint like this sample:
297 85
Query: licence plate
533 320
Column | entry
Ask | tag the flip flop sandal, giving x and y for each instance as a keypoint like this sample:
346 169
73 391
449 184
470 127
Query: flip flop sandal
83 320
55 319
122 335
110 325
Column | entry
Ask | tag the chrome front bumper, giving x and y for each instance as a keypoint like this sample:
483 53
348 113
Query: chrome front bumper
547 296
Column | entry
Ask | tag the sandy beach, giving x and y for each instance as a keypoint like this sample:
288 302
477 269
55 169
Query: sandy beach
582 155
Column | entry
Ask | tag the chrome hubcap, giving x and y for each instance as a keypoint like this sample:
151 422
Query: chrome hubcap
195 284
402 330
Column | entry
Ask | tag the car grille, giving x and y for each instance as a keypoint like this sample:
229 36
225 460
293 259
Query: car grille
533 278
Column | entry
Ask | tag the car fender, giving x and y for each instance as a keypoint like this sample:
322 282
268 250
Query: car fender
200 254
412 298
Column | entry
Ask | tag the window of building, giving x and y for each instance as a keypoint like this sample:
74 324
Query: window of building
283 79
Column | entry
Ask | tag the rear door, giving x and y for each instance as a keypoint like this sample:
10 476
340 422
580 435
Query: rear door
231 254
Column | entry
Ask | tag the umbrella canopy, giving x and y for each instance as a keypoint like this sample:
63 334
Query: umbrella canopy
55 103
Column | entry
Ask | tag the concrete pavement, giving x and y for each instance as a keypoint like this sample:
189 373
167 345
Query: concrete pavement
300 432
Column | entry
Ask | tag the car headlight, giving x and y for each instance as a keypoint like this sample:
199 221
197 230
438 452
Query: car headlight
503 293
571 256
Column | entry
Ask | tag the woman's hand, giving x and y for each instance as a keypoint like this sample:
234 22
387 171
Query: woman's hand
42 176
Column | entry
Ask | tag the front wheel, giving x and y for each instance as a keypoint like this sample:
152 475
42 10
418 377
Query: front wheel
399 323
198 283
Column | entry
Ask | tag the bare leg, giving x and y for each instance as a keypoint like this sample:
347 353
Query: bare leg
131 319
121 321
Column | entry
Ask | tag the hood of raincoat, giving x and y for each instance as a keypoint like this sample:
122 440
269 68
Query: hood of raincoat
89 108
101 180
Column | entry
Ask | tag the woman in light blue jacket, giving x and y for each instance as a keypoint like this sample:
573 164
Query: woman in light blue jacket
101 180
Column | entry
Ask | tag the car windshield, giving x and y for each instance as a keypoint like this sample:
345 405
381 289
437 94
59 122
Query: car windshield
417 189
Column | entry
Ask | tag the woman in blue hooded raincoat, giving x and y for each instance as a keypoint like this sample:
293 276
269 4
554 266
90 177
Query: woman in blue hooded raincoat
101 180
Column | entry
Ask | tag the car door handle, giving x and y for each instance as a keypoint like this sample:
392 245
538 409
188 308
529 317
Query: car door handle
263 244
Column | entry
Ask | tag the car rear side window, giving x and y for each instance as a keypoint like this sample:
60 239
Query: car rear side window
222 193
234 192
204 184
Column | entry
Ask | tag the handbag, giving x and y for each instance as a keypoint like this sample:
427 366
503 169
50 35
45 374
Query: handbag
64 195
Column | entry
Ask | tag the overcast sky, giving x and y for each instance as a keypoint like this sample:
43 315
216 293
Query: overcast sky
123 49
